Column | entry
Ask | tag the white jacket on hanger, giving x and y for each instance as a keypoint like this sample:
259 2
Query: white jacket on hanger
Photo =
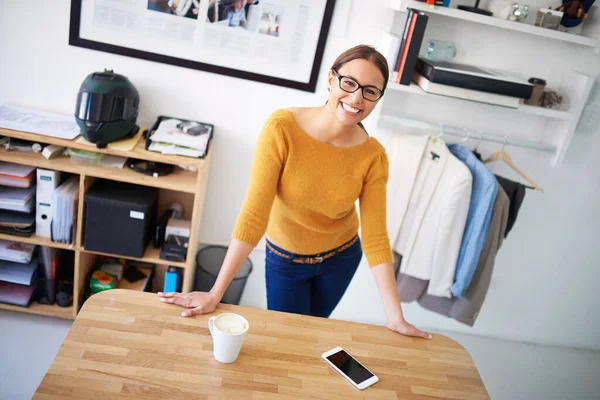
428 197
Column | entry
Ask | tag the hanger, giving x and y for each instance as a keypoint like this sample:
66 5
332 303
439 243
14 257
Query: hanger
439 135
435 156
466 138
502 155
479 142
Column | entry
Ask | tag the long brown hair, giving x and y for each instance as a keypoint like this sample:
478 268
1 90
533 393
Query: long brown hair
364 52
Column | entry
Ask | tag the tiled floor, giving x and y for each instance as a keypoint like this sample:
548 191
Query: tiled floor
509 370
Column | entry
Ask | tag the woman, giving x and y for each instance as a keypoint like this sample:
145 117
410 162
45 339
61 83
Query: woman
309 168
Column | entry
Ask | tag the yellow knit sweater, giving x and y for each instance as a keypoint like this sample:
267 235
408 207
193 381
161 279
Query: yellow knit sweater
303 191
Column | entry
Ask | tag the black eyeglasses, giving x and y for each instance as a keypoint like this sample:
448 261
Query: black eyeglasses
349 85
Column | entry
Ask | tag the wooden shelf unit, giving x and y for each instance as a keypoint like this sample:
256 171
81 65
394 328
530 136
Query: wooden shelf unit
139 151
180 180
151 255
186 187
38 240
43 309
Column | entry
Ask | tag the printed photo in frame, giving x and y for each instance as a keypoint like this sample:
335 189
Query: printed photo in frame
279 42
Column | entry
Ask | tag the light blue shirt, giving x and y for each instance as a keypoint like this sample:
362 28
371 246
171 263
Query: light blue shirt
236 17
483 196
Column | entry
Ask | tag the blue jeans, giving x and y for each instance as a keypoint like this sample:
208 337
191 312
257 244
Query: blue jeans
309 289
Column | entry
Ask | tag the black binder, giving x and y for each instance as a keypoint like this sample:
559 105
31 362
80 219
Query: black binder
414 47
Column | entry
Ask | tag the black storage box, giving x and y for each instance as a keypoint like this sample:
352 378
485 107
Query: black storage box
119 217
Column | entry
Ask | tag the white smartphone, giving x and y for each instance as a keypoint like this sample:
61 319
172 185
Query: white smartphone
347 366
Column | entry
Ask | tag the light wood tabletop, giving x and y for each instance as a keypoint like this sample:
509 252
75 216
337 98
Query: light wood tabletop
128 345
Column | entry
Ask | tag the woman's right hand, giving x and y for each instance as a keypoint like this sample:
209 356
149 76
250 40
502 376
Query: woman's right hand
206 302
195 302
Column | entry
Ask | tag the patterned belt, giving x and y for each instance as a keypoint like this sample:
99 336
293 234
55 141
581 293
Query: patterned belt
315 259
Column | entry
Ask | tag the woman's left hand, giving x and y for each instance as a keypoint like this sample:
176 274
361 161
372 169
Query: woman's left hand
404 328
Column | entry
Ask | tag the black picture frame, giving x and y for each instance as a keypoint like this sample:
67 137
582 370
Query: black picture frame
310 86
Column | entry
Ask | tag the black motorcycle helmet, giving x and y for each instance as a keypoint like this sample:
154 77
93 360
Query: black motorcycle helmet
107 108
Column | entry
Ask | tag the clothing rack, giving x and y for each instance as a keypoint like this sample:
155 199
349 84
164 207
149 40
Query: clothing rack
469 134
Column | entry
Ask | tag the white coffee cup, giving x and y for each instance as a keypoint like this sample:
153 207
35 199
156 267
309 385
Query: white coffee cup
228 331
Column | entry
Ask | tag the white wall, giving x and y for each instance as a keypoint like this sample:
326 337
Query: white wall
544 287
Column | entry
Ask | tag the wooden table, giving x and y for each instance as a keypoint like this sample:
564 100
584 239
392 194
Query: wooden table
128 345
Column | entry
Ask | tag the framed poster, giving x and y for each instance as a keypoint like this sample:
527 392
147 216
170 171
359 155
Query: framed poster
279 42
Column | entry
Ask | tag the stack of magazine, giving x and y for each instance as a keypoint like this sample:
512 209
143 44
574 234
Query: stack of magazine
180 137
17 199
15 251
18 269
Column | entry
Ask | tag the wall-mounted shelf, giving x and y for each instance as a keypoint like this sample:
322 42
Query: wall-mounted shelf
544 133
400 5
553 129
523 108
462 133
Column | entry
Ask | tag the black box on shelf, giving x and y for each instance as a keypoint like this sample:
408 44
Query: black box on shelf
119 217
175 248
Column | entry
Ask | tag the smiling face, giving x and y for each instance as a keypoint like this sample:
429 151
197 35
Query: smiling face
351 108
239 4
